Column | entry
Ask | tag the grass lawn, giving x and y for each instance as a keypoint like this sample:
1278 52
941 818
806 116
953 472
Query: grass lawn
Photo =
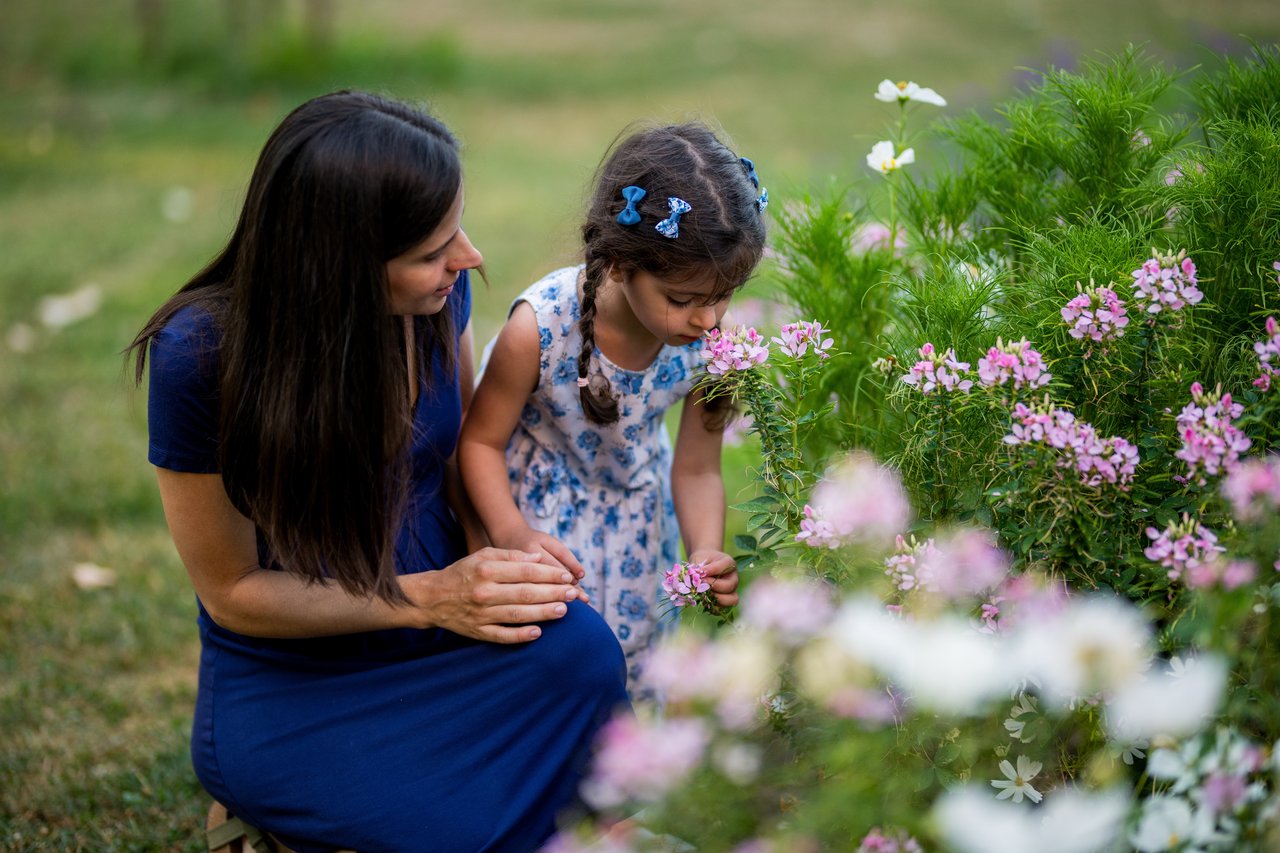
120 176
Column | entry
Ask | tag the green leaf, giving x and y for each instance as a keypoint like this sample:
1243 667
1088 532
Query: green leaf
744 543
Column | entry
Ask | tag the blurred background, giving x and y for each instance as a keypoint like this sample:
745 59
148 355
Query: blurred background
128 129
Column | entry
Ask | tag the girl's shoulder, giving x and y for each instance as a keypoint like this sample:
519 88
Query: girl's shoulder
554 296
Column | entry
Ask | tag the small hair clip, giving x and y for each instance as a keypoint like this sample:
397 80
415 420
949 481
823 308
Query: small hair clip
582 380
670 227
629 214
751 171
763 201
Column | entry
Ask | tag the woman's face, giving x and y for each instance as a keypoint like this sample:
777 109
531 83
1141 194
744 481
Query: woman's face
421 279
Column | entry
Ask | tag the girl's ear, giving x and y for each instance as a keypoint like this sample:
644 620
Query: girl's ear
615 275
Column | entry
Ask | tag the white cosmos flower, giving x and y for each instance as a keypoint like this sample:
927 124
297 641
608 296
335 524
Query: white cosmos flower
1093 644
1069 821
1018 783
890 91
1169 823
1165 703
883 160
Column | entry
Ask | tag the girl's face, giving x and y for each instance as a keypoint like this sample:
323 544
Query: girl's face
421 279
676 313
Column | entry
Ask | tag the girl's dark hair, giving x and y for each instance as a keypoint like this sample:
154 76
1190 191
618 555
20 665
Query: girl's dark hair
723 232
314 390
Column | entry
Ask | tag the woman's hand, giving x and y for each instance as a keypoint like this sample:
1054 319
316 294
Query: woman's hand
723 572
555 553
493 595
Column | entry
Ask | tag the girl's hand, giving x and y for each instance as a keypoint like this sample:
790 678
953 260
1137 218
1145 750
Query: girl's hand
493 595
555 553
723 571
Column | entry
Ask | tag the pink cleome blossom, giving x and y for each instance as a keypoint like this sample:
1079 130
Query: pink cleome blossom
1097 314
736 348
1014 362
1075 444
640 760
1253 488
898 841
935 371
1183 547
796 339
686 584
1166 283
1211 443
792 609
857 500
1268 355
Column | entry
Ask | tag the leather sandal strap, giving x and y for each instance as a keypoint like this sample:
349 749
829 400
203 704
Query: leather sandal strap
233 829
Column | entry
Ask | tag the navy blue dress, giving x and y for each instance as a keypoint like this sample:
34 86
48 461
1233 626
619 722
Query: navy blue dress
395 740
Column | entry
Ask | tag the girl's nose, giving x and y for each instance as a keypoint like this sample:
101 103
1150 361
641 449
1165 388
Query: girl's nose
704 317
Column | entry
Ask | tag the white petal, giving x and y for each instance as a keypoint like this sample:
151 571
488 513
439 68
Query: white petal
887 92
928 96
908 156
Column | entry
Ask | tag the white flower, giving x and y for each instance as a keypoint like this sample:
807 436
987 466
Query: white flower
883 160
1026 705
1069 821
890 91
1093 644
1166 704
1018 783
1167 823
944 664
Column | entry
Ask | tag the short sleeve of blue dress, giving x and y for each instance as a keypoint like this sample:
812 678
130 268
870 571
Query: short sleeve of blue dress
390 740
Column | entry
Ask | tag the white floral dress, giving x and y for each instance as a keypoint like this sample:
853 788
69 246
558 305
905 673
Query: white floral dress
602 490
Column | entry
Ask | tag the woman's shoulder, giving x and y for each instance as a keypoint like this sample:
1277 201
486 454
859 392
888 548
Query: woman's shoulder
190 339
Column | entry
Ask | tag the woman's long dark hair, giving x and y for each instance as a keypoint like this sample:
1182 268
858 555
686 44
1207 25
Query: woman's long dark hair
315 417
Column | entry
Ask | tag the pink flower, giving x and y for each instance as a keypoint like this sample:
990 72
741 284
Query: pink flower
1222 793
874 236
643 761
793 609
737 348
686 584
858 500
1268 355
1166 283
910 565
1253 487
899 841
1097 314
935 371
1211 443
1183 547
1012 362
966 562
797 338
1074 445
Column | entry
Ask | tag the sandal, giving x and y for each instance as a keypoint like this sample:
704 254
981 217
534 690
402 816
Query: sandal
226 833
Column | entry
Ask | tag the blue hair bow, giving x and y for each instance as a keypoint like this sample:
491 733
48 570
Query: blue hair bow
629 214
762 201
670 227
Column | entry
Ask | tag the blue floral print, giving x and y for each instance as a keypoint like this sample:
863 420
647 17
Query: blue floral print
603 491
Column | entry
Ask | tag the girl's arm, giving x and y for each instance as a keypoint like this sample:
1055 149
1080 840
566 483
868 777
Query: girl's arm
697 488
509 378
490 595
472 528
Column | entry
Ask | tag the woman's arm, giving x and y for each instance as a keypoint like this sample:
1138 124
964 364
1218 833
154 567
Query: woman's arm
697 488
490 595
509 379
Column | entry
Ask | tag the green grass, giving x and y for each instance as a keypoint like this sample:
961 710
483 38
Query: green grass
96 686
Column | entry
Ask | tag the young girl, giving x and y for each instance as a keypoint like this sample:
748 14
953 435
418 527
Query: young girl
568 415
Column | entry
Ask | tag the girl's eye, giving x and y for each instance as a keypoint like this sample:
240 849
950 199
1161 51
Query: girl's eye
679 303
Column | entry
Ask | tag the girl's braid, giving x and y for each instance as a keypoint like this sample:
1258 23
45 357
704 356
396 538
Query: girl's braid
599 404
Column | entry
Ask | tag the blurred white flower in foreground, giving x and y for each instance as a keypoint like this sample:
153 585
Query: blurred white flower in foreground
1169 702
943 664
1069 821
1168 823
889 91
1091 645
883 160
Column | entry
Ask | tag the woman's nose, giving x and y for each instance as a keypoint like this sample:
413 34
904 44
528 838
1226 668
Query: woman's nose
466 256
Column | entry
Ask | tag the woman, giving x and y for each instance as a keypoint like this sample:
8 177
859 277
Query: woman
364 682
